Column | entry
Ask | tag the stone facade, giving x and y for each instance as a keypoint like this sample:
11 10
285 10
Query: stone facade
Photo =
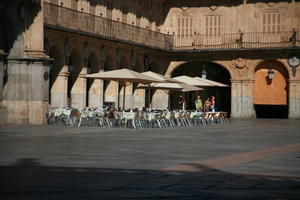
56 42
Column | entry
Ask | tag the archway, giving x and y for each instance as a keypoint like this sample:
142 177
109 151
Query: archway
215 72
270 96
92 67
55 69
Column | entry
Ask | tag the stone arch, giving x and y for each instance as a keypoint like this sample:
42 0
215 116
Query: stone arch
271 96
216 72
256 63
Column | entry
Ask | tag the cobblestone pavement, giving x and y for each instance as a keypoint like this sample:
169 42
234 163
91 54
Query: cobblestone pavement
250 159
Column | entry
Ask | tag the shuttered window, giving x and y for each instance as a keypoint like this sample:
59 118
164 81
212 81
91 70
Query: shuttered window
213 25
184 27
271 22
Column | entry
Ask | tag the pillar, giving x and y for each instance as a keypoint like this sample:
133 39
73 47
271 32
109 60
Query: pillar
3 110
96 94
294 99
25 94
139 98
78 91
242 99
59 90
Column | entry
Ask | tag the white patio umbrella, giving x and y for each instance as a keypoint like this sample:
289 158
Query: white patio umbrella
123 76
160 77
192 81
213 83
174 87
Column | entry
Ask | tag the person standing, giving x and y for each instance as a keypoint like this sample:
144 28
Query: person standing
206 105
198 103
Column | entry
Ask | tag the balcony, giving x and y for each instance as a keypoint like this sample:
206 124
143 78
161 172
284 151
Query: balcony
233 41
66 19
62 18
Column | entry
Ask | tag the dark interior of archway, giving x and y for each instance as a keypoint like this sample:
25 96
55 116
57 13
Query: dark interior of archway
215 72
271 111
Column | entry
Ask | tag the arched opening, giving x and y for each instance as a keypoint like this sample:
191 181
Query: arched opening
74 69
55 69
270 95
92 67
215 72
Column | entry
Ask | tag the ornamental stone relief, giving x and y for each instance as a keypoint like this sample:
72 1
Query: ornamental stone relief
241 66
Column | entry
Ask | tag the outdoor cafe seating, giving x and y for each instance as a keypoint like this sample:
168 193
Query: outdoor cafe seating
153 118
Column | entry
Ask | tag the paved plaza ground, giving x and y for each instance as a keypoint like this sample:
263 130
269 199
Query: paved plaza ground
250 159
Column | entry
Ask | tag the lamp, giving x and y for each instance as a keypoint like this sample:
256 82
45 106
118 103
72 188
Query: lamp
204 73
270 74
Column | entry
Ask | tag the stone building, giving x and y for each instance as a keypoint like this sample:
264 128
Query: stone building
46 46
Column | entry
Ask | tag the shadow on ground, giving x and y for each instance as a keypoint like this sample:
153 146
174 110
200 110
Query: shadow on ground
28 179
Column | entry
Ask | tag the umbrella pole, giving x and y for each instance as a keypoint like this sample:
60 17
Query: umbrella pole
184 102
149 96
124 95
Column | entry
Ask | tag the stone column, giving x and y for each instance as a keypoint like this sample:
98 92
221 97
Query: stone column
26 92
96 93
129 96
242 99
78 92
294 99
3 110
139 98
160 99
59 90
2 54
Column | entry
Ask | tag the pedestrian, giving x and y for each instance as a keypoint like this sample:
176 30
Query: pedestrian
212 104
182 102
198 103
206 105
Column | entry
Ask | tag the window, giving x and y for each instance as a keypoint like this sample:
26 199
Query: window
213 25
271 22
184 27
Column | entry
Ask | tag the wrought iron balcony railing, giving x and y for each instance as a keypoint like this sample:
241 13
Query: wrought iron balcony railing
237 41
65 18
56 16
